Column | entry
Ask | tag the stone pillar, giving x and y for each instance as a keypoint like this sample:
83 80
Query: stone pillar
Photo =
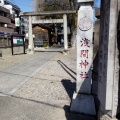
108 61
83 101
30 35
65 32
84 48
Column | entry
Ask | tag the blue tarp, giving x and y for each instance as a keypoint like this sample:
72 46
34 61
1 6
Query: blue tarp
8 34
1 33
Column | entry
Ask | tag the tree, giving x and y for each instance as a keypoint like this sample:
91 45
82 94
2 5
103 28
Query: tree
39 5
47 5
54 5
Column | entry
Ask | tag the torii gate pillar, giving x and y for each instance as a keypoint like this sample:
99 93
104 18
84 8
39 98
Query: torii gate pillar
65 33
31 45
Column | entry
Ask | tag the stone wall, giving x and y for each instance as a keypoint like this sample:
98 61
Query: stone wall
8 50
5 46
5 41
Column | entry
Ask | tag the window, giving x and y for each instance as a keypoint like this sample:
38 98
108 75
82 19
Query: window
1 25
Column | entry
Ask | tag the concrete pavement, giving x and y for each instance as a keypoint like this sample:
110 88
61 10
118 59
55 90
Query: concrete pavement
39 87
11 78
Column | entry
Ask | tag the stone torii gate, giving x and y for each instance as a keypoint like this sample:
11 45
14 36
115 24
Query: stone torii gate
64 21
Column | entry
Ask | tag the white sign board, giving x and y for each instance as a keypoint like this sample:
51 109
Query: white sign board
17 22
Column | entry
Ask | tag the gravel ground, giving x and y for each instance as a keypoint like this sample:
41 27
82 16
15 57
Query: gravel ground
54 83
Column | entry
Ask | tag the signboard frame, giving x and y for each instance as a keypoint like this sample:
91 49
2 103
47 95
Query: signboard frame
16 42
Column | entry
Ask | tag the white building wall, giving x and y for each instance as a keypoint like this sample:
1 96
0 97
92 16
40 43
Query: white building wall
2 2
9 7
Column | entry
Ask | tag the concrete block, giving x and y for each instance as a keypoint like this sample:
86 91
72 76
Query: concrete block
84 104
102 116
30 52
66 52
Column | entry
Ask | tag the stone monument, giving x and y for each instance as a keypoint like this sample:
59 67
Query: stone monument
83 101
108 61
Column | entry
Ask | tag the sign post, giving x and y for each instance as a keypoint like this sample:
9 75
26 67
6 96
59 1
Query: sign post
17 41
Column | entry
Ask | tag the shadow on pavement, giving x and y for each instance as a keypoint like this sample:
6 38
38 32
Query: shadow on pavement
19 54
69 87
35 101
70 115
47 51
76 116
67 69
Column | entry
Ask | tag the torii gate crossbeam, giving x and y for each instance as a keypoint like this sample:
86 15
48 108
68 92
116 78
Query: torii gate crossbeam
48 21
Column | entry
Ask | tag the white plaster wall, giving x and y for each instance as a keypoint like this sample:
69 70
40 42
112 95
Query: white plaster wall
9 7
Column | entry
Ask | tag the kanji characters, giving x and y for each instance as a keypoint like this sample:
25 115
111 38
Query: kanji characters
83 75
84 53
84 58
85 42
83 64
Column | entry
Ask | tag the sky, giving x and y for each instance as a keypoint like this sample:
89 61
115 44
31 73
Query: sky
24 5
27 5
97 3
